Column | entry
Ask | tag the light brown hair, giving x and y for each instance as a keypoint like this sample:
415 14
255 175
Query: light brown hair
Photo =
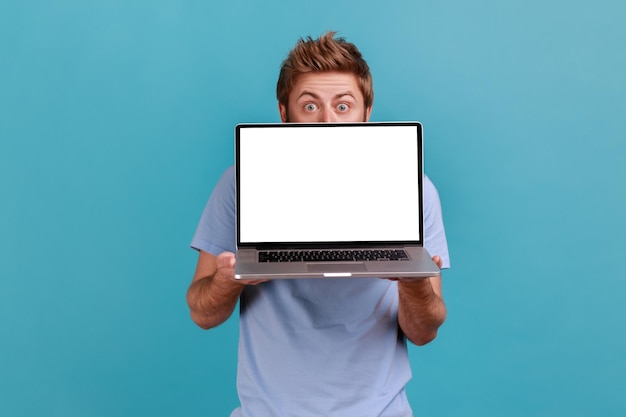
322 55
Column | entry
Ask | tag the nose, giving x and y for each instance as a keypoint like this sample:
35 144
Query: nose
326 115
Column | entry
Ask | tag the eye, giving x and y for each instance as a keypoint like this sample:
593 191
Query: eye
343 107
310 107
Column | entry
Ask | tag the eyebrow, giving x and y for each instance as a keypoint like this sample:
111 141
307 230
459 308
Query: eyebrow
315 96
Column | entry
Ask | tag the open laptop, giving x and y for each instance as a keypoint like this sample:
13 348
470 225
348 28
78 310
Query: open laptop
330 200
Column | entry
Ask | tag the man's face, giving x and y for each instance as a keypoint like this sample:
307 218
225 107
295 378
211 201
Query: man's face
325 97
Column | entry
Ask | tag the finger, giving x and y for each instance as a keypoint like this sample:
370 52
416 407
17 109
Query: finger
226 260
225 264
257 282
438 261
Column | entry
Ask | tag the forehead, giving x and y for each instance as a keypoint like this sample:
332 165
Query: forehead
326 84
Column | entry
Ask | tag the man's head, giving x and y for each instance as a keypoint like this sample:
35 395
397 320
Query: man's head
324 80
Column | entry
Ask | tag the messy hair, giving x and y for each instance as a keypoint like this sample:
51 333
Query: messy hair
322 55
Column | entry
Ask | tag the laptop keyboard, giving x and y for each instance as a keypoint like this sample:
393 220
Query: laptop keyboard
333 255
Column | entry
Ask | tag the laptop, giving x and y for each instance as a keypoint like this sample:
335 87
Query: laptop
330 200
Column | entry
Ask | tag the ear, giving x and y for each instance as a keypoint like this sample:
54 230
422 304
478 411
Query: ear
283 112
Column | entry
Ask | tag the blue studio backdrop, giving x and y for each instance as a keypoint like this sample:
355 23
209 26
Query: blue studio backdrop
116 120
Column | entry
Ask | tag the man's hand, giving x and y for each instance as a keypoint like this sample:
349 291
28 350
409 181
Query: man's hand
421 308
226 269
214 291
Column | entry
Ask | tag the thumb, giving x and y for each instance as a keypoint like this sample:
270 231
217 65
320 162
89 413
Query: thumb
226 260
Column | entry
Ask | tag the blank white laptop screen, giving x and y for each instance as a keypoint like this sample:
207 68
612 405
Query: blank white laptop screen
340 183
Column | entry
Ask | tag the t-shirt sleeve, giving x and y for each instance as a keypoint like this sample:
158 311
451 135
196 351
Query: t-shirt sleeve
216 231
434 233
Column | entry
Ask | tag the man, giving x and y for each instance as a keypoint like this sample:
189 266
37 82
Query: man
318 347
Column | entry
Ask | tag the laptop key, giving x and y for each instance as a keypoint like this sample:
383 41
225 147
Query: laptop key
333 255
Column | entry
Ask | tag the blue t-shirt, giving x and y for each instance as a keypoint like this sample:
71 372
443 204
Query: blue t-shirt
311 347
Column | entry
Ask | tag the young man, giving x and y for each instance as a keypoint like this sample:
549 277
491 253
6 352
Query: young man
311 347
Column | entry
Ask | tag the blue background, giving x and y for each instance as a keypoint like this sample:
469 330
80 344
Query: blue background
116 120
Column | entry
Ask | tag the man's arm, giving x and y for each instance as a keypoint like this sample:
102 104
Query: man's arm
213 293
421 308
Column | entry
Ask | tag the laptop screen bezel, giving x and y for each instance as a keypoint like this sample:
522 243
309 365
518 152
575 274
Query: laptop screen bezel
330 244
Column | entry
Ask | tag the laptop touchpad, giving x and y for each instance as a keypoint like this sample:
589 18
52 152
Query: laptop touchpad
336 267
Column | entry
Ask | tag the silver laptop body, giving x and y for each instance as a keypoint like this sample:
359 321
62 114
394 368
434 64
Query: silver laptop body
330 200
